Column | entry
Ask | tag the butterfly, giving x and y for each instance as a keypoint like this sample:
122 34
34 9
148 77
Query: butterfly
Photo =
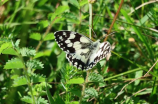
81 51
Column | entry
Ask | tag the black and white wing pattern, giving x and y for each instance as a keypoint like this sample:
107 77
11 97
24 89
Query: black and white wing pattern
80 50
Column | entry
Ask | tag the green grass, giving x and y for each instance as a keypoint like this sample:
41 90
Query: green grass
35 70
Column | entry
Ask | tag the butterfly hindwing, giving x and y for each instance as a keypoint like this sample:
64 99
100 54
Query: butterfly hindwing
104 51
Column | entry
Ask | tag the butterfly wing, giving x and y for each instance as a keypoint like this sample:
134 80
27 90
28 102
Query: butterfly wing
76 46
70 41
104 51
76 62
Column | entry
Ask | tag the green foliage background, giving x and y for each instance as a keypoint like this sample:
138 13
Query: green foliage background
33 69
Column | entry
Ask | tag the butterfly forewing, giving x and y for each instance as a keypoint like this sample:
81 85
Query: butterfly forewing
76 62
70 41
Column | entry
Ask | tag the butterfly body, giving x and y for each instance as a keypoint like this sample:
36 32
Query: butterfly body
82 52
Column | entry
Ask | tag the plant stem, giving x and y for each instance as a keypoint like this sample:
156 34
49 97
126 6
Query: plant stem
90 20
114 20
28 80
47 31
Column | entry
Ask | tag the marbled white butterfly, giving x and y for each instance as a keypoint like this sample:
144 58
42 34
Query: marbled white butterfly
82 52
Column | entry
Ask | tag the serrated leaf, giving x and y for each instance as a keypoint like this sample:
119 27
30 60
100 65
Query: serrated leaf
90 92
19 81
34 64
94 77
5 46
37 78
14 63
101 84
9 51
41 100
17 43
27 99
76 81
49 36
35 36
75 3
27 52
4 40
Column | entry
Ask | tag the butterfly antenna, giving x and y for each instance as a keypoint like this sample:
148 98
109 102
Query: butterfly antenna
111 33
93 32
107 35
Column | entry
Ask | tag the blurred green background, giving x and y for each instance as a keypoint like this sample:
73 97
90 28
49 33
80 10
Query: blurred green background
26 30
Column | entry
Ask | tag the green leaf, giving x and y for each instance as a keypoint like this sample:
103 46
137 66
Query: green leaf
76 81
41 100
34 64
58 11
74 102
10 51
27 51
49 36
76 91
58 100
17 43
35 36
43 24
61 60
27 99
42 2
71 17
19 81
94 77
14 63
83 2
138 75
44 53
75 3
37 78
61 9
4 46
90 92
